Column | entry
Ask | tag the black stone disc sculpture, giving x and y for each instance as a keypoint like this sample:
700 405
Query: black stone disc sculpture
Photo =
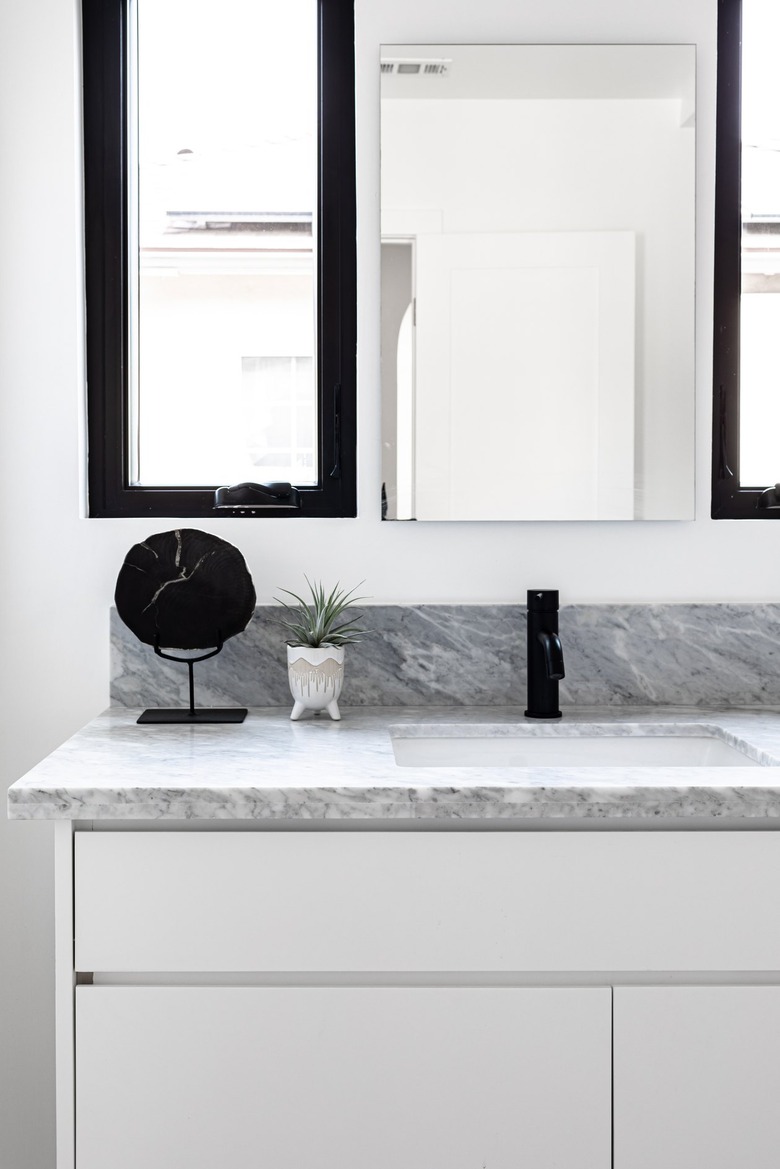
185 590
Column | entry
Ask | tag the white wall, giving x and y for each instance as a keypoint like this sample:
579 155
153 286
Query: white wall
59 570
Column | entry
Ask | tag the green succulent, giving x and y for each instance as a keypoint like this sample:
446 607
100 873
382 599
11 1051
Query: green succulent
314 622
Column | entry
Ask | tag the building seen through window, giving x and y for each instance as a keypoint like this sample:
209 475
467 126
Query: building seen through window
223 378
760 308
746 365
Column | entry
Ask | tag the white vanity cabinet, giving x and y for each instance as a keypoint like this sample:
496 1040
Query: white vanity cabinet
313 1000
432 999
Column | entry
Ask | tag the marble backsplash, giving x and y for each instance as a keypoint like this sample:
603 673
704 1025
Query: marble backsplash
453 655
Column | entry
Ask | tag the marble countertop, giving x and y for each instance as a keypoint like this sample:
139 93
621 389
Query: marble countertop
268 768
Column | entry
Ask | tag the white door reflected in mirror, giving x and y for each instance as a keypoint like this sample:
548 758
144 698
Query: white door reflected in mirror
538 282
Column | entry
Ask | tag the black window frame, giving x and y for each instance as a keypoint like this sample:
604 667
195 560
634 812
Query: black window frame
104 43
730 500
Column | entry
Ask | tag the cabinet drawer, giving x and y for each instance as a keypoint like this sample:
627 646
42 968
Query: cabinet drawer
426 901
343 1078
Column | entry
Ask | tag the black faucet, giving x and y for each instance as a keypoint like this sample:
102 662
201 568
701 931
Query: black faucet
545 654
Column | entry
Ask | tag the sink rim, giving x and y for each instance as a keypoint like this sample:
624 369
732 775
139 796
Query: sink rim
591 730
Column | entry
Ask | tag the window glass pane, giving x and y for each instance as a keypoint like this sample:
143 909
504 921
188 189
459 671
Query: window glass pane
760 301
223 378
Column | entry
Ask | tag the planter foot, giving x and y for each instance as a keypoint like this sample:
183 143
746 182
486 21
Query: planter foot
333 710
297 711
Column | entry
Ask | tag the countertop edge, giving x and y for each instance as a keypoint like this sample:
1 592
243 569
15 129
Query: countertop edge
271 770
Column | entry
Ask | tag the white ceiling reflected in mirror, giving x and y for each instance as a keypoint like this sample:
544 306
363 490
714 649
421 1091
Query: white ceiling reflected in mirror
538 282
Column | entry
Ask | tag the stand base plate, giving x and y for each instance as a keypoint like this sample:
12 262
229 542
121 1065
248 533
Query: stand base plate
201 715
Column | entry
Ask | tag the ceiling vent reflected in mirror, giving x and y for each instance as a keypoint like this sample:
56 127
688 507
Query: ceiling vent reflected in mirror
415 67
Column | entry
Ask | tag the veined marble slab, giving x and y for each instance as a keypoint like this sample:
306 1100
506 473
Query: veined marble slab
316 770
474 655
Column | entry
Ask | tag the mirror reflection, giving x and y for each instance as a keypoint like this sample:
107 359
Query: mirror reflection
538 281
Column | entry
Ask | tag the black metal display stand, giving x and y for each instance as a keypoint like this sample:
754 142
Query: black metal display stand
204 714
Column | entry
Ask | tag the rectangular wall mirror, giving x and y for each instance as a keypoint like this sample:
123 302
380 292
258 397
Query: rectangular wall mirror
538 282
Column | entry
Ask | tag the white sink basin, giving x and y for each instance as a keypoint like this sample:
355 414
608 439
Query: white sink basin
561 749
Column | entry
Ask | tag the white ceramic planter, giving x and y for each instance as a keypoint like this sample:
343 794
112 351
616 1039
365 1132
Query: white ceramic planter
316 677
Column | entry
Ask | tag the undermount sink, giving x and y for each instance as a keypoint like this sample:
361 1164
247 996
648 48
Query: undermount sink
435 747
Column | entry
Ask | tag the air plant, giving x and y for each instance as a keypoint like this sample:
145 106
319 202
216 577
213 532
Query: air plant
315 623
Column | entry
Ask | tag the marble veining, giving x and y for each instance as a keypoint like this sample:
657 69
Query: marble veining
271 769
474 655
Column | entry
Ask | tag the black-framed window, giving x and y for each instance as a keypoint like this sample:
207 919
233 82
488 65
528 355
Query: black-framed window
746 367
314 427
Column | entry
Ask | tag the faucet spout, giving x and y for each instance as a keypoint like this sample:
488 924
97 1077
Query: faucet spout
553 655
545 654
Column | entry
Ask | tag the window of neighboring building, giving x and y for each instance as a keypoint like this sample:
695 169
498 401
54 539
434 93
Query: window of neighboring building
279 417
746 432
220 223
